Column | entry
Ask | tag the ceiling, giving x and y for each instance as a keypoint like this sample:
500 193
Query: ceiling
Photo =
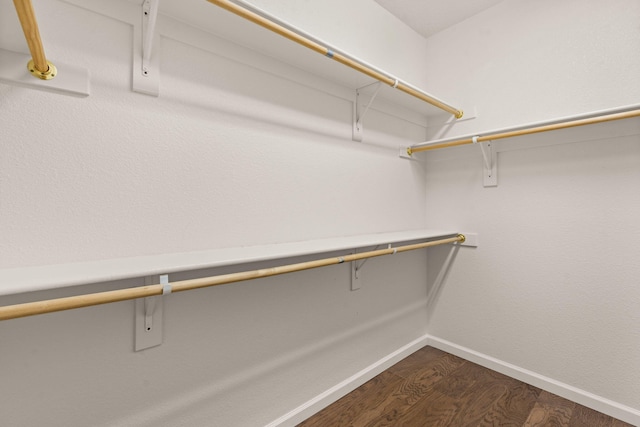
428 17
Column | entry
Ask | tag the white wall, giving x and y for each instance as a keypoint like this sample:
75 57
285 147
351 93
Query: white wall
223 142
525 61
360 28
231 153
240 149
552 287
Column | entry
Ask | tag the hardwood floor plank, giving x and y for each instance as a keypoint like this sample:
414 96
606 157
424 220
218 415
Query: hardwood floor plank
618 423
423 379
431 388
546 415
460 379
554 399
430 385
345 410
435 410
419 360
417 383
514 407
550 410
388 412
442 404
477 400
583 416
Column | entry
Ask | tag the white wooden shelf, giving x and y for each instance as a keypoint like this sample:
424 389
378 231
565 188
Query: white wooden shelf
262 42
38 278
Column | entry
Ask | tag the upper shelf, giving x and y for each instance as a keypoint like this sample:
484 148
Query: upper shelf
28 279
217 21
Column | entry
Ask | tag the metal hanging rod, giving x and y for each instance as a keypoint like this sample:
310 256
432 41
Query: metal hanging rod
38 65
585 119
278 26
87 300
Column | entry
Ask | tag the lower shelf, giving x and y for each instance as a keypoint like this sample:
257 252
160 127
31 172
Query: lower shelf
37 278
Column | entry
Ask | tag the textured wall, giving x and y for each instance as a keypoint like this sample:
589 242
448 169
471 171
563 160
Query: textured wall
523 61
241 155
230 154
362 29
553 286
228 157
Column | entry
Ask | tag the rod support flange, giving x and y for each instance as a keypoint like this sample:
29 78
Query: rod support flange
42 75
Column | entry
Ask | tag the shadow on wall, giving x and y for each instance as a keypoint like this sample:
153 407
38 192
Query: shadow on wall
237 88
443 256
292 99
182 406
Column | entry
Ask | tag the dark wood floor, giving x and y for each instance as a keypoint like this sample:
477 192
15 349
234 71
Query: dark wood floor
434 388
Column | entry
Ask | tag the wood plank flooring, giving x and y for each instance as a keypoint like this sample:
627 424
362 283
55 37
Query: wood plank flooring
434 388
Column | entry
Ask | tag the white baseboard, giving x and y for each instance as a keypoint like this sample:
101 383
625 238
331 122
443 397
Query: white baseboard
326 398
590 400
584 398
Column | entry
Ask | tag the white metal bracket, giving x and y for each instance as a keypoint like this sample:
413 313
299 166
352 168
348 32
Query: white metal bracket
149 316
364 99
490 164
146 70
356 271
356 282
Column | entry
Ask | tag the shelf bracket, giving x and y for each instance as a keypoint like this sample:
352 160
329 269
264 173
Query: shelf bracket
361 106
146 71
490 163
356 271
149 315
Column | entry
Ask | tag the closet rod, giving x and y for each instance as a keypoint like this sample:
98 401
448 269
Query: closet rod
86 300
38 65
264 19
518 131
